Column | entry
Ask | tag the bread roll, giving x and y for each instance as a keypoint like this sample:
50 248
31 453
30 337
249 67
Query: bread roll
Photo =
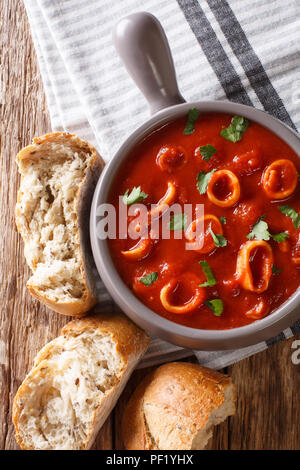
59 173
75 382
175 408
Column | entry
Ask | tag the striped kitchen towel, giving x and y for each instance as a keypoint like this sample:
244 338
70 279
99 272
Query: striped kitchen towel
245 51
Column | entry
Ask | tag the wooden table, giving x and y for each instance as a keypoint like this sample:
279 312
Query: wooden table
268 411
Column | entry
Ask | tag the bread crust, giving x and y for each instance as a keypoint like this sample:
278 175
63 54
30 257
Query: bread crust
78 307
182 389
131 344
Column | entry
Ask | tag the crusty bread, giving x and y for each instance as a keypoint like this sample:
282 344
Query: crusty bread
76 381
59 173
175 408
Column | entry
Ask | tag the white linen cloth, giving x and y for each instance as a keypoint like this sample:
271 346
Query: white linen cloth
245 51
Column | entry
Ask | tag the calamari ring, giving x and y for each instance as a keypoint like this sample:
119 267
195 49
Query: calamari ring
260 310
209 221
195 301
259 253
140 250
226 184
166 200
280 179
170 158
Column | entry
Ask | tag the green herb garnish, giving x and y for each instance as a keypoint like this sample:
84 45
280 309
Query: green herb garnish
202 180
178 222
260 231
219 240
280 237
207 151
211 280
223 220
136 195
216 305
292 214
275 270
193 115
149 279
235 131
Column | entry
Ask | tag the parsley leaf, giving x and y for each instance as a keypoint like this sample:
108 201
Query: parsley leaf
235 131
290 212
211 280
223 220
280 237
203 180
149 279
275 270
136 195
219 240
260 231
207 151
193 115
216 305
178 222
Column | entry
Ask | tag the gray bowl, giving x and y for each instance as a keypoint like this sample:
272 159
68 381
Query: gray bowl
141 42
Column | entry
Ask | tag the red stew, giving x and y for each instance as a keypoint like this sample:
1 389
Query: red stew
254 257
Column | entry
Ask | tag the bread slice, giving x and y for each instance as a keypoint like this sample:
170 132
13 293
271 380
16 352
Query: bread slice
76 381
175 408
59 173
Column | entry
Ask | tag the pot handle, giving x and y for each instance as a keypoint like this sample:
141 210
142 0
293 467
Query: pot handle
143 47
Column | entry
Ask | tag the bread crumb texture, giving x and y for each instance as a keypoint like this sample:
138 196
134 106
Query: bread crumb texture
68 394
176 407
53 170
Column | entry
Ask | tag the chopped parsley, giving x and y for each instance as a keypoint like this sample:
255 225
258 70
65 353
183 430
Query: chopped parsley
203 179
207 151
260 231
178 222
292 214
216 305
219 240
280 237
275 270
136 195
149 279
223 220
235 131
211 280
193 115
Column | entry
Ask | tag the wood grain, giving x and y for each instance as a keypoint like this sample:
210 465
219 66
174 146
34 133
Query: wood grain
268 414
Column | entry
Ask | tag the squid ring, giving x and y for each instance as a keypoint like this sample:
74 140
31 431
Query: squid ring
260 310
140 250
188 307
208 243
260 254
226 183
170 158
166 200
280 179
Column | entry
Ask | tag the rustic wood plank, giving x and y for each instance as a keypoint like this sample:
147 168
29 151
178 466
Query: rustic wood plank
25 325
268 383
268 412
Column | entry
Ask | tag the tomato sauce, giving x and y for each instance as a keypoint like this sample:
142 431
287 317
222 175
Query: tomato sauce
147 166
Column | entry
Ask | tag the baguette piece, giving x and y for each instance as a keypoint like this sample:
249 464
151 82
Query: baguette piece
59 173
175 408
75 382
